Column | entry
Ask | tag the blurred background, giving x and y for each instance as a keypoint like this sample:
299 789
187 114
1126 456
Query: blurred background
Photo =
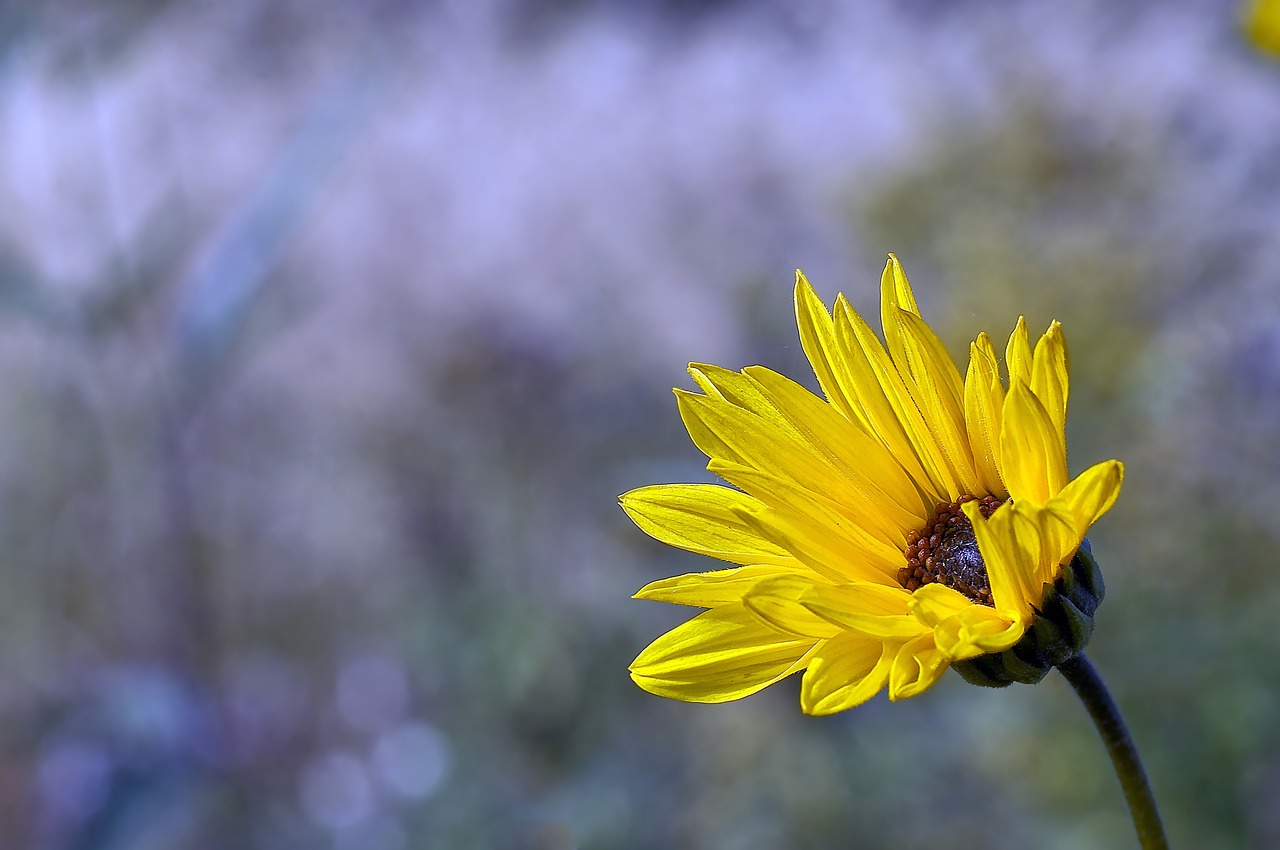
330 333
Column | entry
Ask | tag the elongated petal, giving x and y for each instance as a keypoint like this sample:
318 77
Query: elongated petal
924 364
1049 376
740 391
854 451
871 610
895 289
702 518
876 413
799 417
932 603
861 541
720 655
844 672
710 589
963 628
1056 529
887 398
737 436
1011 569
983 407
935 387
813 546
776 601
1023 546
817 338
917 666
977 630
1032 452
1017 354
1091 494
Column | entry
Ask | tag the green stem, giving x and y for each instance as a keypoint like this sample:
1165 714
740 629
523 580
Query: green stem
1124 756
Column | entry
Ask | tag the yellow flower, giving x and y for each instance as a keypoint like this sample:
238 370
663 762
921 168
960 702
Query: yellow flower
1261 22
909 521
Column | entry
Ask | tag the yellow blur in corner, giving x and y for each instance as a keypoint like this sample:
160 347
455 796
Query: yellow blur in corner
1261 21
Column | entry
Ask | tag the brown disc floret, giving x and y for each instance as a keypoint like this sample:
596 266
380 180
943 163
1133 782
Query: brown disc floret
945 551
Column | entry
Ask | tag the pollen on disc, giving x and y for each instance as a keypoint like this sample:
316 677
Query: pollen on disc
945 551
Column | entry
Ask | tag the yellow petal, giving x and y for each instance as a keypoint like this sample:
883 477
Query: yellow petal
876 611
932 603
720 655
776 601
1091 494
730 433
1010 569
1049 380
738 436
844 672
876 413
860 540
740 391
702 518
889 404
934 384
1059 541
1023 546
963 628
895 289
710 589
813 546
977 630
857 454
1017 354
798 416
923 362
1032 448
983 405
916 667
817 338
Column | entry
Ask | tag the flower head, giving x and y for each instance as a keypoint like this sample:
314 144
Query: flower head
912 520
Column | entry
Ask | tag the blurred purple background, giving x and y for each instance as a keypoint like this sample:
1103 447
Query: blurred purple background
329 335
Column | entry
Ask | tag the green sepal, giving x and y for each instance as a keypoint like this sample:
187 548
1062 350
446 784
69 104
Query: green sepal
1022 671
986 671
1073 625
1088 578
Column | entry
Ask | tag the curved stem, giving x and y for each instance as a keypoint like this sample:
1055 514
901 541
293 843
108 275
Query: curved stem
1124 756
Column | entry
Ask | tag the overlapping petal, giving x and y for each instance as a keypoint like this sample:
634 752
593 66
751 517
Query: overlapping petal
983 409
1049 379
844 672
889 399
739 436
778 602
710 589
856 552
723 654
1091 494
961 629
918 665
1023 546
703 518
847 378
1033 454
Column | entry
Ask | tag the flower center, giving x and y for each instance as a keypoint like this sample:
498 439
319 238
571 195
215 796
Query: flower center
945 551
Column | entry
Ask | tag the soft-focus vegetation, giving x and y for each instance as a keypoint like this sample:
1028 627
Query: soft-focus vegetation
329 335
